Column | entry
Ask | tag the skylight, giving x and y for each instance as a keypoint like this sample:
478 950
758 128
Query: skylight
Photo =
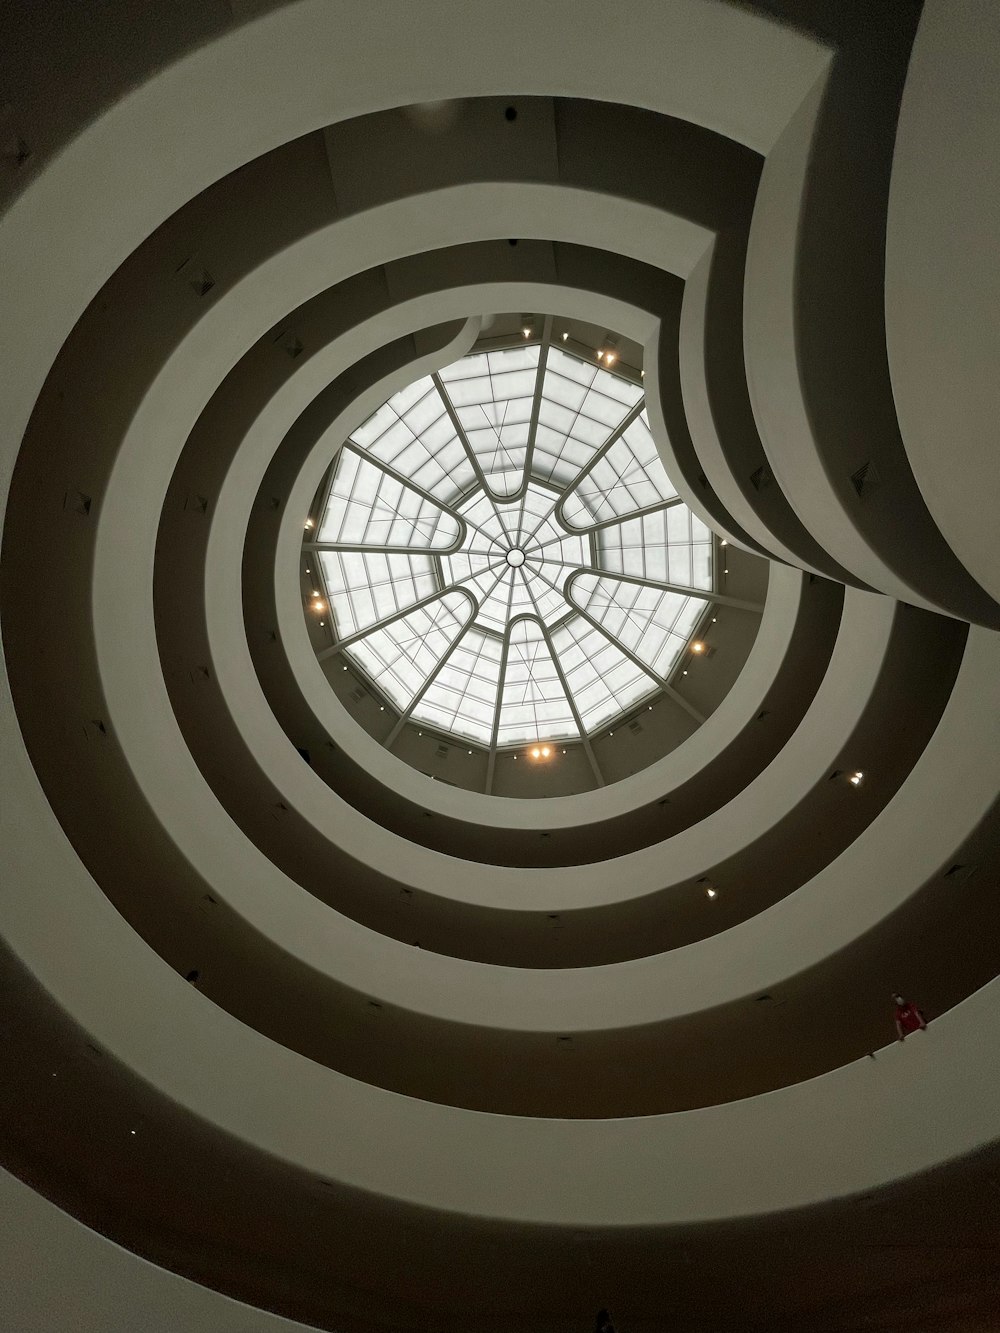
504 556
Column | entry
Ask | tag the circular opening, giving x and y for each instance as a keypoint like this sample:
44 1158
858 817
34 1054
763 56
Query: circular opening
511 113
430 583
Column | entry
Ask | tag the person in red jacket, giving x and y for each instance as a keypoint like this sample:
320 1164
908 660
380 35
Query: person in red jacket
908 1017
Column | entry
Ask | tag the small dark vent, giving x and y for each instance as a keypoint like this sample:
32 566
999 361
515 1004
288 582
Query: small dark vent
765 712
406 895
635 726
289 343
763 999
442 752
958 872
202 282
702 480
357 694
761 478
866 479
200 673
196 504
77 503
96 729
564 1041
16 150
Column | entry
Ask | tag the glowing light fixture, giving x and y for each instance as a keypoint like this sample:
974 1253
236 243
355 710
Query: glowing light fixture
697 646
857 778
711 893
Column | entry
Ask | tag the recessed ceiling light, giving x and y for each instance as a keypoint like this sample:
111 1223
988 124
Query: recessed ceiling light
857 778
723 542
711 893
536 753
565 337
309 522
545 752
697 646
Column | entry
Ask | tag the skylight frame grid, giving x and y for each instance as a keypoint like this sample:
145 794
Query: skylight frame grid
363 587
533 703
453 484
654 547
367 506
401 657
581 406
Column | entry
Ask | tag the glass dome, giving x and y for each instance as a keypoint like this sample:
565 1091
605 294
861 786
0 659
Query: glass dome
504 557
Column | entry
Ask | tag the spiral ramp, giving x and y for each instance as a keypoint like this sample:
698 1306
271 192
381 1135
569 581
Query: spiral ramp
329 1044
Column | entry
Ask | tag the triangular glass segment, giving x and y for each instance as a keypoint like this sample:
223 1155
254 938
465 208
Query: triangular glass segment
533 703
368 507
652 623
627 478
462 696
492 395
670 546
581 406
414 435
603 681
402 655
366 587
